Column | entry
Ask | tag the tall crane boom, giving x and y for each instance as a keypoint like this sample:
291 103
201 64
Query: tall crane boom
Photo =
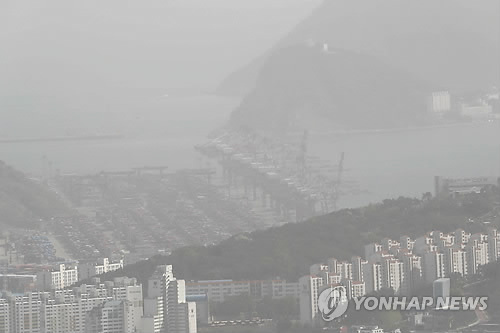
336 191
341 168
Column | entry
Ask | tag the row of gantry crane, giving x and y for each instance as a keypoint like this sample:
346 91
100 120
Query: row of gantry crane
286 176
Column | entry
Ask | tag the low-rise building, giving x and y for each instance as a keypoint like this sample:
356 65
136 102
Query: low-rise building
481 110
366 329
219 290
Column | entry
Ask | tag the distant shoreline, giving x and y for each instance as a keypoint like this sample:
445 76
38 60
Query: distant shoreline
62 138
405 129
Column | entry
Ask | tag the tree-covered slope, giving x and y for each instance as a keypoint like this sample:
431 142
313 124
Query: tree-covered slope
308 87
288 251
490 286
23 202
450 43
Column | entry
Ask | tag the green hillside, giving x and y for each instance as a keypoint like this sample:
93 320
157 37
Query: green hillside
288 251
308 87
450 43
490 286
23 202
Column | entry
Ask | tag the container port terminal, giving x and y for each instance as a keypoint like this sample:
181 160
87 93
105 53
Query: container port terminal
144 211
136 213
277 176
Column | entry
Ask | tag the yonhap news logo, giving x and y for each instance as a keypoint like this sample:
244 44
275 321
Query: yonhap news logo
402 303
333 303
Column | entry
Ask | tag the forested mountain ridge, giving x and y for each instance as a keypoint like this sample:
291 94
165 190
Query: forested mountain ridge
315 87
450 43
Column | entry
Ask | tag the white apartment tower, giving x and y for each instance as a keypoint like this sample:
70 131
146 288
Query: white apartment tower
477 255
461 237
372 274
107 318
165 308
357 264
355 289
64 315
412 272
392 274
344 269
59 278
310 288
25 313
4 316
492 245
455 261
181 315
434 266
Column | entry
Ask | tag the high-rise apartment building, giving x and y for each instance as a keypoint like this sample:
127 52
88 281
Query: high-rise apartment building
310 288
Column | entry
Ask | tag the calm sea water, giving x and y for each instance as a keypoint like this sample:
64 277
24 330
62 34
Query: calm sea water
159 130
378 165
391 164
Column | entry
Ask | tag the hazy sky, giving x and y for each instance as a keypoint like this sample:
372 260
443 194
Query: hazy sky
80 50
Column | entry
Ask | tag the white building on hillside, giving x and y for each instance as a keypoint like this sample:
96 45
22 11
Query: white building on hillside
439 102
88 270
60 278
